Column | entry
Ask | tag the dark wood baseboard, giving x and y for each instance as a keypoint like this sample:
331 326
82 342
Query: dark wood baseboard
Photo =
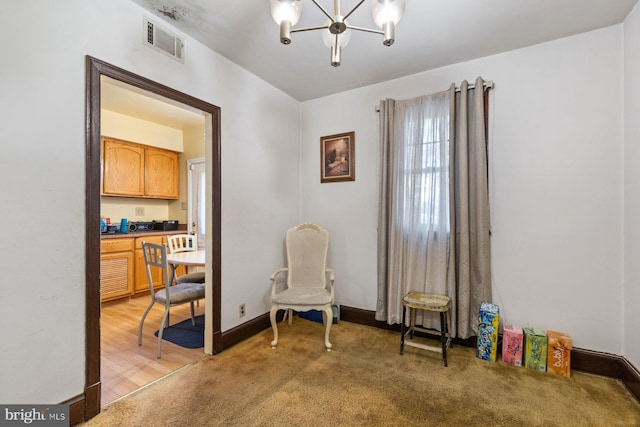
246 330
76 409
592 362
84 406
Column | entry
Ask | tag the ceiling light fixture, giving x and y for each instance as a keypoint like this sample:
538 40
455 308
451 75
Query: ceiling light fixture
336 30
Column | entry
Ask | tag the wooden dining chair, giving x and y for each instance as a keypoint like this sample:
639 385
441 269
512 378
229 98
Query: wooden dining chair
185 243
170 296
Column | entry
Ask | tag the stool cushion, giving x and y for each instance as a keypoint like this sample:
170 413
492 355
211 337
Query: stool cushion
424 301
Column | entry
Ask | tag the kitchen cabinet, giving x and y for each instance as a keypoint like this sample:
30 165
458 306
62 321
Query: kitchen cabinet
116 268
122 168
136 170
161 173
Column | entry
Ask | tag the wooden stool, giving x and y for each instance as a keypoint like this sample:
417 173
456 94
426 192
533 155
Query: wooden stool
429 302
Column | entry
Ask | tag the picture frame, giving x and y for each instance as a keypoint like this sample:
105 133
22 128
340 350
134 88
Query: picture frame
337 157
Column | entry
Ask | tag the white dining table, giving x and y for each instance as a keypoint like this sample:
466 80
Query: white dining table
189 258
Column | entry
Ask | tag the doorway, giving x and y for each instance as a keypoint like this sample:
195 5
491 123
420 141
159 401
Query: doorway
95 69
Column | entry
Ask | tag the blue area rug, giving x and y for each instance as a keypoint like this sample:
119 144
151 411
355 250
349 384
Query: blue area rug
185 334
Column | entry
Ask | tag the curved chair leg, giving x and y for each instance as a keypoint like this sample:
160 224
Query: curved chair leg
165 319
328 320
144 316
274 325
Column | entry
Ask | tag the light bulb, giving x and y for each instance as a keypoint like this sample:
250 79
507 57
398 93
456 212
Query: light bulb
386 14
385 11
286 11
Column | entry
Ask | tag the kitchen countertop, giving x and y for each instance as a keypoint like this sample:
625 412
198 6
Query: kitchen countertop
141 234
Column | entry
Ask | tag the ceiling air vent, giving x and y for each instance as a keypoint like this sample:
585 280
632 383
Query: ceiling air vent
163 40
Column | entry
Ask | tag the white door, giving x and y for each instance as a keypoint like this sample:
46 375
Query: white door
196 182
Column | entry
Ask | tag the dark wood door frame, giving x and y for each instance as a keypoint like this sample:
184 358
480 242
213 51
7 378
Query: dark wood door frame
94 69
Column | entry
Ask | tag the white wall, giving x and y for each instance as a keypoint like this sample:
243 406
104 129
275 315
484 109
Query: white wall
556 183
42 168
132 129
631 293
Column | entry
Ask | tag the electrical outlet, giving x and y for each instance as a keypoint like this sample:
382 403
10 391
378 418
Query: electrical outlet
139 211
242 310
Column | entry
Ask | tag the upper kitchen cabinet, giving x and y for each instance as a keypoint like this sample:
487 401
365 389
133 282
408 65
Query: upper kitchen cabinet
161 173
122 168
136 170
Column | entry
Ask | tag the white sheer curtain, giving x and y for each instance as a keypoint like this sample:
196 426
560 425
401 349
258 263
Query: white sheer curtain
418 238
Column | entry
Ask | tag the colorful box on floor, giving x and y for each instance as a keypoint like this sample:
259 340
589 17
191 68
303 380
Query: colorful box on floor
559 353
535 349
512 344
488 319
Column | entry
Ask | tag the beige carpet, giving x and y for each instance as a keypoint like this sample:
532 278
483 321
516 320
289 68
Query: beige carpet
365 382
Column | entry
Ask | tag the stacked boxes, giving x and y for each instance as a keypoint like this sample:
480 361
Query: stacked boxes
512 345
488 319
535 349
559 353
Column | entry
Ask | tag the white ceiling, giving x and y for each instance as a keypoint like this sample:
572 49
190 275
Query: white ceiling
131 101
432 34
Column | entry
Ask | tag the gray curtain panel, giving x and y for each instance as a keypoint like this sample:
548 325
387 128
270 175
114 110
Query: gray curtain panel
387 107
471 246
459 267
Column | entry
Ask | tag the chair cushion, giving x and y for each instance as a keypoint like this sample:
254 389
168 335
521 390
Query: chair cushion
303 296
181 293
197 277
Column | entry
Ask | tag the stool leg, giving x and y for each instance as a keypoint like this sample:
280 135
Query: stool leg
449 328
412 321
404 316
443 328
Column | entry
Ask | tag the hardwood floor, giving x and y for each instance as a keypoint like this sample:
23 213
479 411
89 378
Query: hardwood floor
125 367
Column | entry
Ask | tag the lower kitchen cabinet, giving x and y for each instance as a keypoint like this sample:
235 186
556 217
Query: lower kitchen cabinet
116 268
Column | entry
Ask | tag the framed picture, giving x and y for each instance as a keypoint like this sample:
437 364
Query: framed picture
337 157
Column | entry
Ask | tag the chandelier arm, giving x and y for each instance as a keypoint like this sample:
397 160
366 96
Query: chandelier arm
323 10
297 30
353 10
368 30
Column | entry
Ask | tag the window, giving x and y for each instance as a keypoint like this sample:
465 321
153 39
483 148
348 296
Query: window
425 178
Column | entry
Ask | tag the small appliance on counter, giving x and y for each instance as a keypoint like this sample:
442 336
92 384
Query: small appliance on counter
141 226
166 225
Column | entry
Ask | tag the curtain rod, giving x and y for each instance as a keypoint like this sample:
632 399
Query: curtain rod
487 85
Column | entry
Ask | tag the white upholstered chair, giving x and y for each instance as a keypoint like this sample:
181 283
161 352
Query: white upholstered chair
185 243
307 287
170 296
